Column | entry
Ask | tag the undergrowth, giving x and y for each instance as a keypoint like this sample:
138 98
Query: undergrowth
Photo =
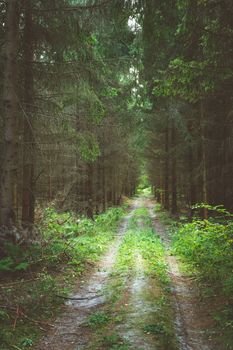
206 251
207 247
37 277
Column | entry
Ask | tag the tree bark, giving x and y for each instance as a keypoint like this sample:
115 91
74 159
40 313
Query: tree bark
204 165
192 187
8 180
166 170
90 190
104 200
28 202
173 165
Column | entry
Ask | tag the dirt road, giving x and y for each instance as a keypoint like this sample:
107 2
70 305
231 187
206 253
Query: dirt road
120 308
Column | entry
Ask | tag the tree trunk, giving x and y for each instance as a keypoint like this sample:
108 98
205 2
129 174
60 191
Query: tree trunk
90 190
166 170
204 169
103 184
161 186
9 168
192 187
173 165
98 187
28 201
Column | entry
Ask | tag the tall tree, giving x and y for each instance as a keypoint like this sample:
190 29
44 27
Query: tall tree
9 168
28 200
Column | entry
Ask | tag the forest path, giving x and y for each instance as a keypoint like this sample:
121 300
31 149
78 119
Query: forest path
110 309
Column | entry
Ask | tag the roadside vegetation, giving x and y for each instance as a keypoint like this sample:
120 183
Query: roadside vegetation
39 277
205 247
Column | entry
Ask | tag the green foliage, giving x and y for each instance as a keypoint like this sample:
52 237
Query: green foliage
77 240
187 80
22 266
69 244
27 342
143 182
144 187
6 264
15 260
217 212
98 319
208 246
88 146
3 315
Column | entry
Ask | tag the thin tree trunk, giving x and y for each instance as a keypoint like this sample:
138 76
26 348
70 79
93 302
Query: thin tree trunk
173 165
204 169
10 104
103 183
166 170
98 186
161 186
112 186
192 187
90 190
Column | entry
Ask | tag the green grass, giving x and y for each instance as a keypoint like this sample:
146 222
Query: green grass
69 245
140 239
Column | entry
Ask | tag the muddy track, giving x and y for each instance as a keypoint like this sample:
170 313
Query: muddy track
140 308
70 331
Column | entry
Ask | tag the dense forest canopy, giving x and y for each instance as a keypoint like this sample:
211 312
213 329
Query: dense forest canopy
95 93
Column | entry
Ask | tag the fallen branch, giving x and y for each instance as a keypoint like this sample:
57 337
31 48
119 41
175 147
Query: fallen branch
36 321
15 347
16 318
7 285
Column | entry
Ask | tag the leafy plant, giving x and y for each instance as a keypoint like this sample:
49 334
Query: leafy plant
27 342
208 247
6 264
98 319
4 315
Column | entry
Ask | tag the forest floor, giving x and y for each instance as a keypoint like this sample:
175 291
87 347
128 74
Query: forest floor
136 297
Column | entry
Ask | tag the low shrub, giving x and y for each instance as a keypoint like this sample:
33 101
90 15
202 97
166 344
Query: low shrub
208 246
